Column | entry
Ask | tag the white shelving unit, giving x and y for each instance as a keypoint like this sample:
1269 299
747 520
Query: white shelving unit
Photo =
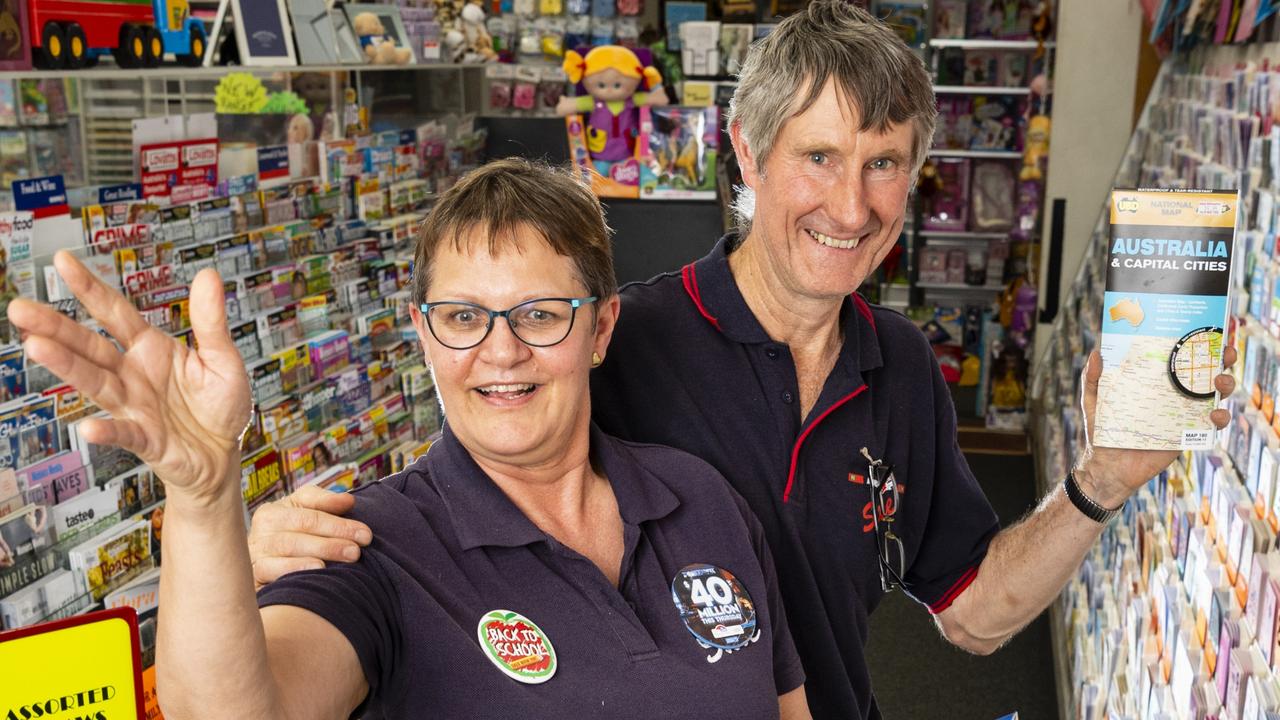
958 235
996 154
979 90
987 44
960 287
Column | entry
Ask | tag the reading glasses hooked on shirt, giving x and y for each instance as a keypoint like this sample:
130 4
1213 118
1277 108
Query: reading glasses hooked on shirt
539 323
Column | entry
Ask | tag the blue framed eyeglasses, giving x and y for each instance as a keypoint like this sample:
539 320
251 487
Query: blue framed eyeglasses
538 323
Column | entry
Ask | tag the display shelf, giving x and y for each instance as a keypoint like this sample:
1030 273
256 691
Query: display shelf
988 154
962 235
960 287
986 44
176 72
979 90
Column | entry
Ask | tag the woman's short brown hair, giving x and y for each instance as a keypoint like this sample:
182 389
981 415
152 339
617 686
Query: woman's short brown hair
501 196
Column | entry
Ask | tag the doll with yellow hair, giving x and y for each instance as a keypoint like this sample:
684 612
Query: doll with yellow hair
612 75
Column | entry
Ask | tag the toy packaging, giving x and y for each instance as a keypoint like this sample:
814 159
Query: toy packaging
994 192
933 265
981 67
734 42
955 122
950 63
615 87
908 19
681 153
619 179
997 122
1002 19
700 47
677 13
947 209
949 19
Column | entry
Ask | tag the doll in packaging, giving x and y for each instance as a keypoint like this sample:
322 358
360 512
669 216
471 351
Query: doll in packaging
613 78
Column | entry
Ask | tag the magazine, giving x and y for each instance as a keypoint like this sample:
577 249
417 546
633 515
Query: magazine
1165 307
108 560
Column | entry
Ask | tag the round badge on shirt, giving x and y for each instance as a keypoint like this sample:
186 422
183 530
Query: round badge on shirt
517 646
714 607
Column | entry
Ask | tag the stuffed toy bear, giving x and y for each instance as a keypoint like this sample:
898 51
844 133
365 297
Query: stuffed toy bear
478 39
378 48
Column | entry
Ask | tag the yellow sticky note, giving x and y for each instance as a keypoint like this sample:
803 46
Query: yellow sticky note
86 666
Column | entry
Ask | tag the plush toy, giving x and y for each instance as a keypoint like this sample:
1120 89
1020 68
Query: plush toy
611 75
378 48
1037 147
476 36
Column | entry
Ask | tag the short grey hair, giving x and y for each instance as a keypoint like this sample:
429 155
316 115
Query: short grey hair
874 69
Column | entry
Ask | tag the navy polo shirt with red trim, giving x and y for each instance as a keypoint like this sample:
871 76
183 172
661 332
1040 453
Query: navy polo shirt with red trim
449 548
690 366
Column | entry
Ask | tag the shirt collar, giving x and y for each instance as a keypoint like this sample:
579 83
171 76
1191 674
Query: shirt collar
710 285
483 515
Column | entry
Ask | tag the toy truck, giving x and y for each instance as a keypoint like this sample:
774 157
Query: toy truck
75 33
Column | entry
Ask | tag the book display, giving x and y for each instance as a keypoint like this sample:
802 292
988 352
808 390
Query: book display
1173 613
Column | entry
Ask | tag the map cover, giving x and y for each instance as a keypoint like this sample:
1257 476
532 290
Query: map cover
1168 274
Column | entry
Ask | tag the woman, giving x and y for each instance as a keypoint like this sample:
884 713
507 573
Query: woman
528 566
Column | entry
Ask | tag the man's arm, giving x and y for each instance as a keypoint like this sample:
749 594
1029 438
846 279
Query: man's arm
1028 564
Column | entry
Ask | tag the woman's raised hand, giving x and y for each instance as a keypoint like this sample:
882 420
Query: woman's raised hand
181 410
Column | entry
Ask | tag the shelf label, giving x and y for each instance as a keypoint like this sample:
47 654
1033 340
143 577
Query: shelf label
44 197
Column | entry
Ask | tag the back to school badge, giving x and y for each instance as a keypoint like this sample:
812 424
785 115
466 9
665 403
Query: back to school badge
715 608
517 646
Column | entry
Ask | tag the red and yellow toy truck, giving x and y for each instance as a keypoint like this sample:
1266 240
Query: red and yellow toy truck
75 33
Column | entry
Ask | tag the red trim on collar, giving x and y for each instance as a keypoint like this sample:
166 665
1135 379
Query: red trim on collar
960 586
795 451
690 277
865 309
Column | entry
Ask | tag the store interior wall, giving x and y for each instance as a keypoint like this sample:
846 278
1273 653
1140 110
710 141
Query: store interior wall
1094 88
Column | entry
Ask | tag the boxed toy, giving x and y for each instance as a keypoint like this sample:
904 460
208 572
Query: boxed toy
933 265
680 146
947 209
908 19
734 42
949 19
956 261
994 189
981 67
997 122
700 47
619 179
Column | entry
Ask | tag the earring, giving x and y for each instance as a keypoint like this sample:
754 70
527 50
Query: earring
596 359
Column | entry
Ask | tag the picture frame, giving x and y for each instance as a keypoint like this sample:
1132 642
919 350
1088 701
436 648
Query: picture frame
263 33
392 25
315 37
348 45
15 54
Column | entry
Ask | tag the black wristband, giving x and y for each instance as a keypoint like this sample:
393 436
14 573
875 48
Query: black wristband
1084 503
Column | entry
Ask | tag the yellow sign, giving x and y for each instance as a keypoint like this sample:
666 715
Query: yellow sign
1164 207
82 668
698 93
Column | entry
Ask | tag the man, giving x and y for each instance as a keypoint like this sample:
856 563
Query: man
760 359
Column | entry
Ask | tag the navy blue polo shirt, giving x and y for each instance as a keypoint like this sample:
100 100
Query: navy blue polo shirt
449 548
690 366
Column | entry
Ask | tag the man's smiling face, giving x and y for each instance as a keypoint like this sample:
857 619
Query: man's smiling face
830 203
